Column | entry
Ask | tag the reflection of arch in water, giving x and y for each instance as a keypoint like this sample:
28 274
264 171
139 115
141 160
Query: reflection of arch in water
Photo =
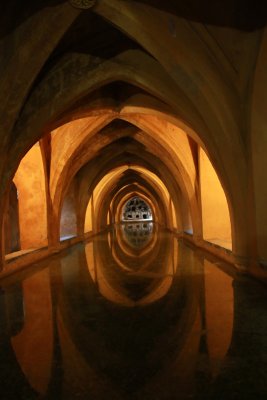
90 341
137 234
132 280
176 316
136 209
186 313
128 257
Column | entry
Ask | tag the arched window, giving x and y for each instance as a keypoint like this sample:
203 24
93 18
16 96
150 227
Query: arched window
136 209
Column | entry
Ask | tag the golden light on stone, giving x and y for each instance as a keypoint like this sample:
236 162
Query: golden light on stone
133 199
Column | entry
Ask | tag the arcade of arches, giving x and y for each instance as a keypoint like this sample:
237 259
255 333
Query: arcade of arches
105 100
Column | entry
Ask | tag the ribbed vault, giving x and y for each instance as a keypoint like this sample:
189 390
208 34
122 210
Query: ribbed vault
118 108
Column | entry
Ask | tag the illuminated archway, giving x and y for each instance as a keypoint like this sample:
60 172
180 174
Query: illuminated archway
136 209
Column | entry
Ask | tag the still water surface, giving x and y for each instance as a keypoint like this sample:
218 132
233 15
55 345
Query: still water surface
133 314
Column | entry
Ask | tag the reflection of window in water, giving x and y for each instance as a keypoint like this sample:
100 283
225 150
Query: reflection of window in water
136 209
139 234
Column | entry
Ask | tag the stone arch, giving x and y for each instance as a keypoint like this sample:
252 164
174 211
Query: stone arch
118 187
175 101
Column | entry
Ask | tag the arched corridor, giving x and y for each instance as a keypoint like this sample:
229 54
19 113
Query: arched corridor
134 130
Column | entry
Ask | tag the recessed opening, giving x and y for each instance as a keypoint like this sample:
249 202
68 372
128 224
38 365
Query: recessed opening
136 209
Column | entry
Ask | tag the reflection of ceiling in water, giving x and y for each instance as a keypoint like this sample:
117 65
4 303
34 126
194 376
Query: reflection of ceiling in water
89 343
138 235
135 265
133 257
136 209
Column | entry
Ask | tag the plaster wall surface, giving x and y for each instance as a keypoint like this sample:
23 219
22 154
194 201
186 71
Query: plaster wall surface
215 212
88 225
30 183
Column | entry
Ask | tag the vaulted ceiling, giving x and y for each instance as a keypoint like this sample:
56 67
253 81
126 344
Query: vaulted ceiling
112 83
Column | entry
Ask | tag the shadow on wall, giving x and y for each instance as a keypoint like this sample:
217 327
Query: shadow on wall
68 218
11 222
